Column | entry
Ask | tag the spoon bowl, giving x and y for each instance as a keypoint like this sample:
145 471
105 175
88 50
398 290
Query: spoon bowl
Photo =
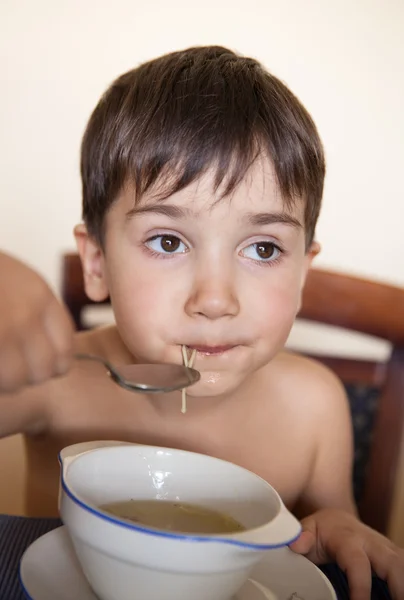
148 378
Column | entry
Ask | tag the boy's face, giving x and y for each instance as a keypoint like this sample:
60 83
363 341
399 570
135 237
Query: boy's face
224 278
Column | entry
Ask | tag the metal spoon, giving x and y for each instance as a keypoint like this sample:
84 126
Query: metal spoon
152 378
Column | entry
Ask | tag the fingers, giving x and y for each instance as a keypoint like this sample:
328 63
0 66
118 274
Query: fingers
59 329
39 355
36 333
304 544
38 349
342 538
13 367
352 558
339 544
49 347
388 563
309 543
395 578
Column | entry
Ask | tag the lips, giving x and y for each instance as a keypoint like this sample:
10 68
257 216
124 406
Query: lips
211 350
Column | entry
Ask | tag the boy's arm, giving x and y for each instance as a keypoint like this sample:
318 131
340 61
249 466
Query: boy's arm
330 483
331 529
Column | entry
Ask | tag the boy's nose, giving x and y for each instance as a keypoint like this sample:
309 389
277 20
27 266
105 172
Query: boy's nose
213 297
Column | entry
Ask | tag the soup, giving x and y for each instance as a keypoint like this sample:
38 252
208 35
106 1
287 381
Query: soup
174 516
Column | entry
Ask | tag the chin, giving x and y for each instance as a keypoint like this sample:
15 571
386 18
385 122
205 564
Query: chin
214 384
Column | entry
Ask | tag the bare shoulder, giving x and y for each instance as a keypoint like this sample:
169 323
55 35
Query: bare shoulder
306 384
317 404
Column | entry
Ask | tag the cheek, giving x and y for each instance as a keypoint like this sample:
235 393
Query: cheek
274 309
146 308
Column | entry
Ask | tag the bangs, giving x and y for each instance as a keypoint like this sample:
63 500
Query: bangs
162 178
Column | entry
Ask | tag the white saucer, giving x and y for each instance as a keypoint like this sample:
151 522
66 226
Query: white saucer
49 570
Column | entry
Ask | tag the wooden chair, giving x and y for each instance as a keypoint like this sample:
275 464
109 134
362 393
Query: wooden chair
353 304
378 310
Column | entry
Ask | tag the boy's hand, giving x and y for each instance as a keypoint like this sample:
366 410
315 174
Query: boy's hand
36 333
331 535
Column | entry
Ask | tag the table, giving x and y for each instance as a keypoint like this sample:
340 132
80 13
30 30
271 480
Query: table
17 533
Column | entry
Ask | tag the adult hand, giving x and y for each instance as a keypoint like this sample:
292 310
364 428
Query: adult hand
36 332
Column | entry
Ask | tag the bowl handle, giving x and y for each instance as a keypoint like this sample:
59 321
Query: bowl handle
281 531
71 452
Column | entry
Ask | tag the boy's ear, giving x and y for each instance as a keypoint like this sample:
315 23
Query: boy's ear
311 253
92 260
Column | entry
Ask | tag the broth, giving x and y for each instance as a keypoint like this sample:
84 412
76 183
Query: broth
174 516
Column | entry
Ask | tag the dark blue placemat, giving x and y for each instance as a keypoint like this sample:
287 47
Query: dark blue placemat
17 533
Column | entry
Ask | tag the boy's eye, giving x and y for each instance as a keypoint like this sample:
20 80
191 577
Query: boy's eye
263 251
166 244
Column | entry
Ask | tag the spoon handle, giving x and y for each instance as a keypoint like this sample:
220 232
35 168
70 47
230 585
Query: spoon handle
99 359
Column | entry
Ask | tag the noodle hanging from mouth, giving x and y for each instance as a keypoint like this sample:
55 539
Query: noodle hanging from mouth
188 362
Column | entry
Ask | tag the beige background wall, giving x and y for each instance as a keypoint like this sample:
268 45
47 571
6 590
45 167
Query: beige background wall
343 59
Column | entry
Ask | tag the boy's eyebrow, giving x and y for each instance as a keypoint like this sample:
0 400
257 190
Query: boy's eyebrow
181 212
167 210
265 218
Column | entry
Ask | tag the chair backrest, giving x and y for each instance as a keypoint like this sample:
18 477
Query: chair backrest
376 309
354 304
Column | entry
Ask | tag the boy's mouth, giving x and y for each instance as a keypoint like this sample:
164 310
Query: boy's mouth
211 350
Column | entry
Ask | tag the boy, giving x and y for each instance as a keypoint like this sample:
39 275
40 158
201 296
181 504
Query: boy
202 183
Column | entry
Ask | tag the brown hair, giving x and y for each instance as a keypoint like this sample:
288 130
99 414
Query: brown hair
187 111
